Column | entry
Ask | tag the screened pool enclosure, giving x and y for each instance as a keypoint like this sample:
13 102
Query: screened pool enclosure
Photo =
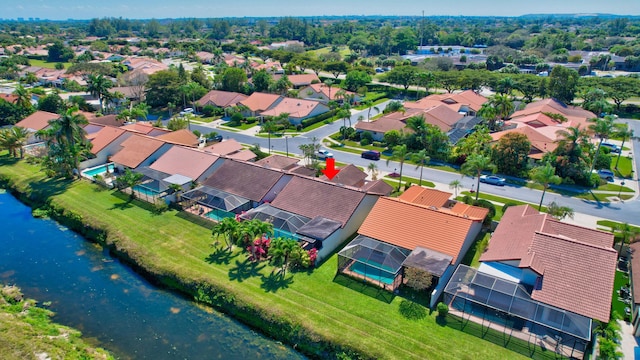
373 261
214 204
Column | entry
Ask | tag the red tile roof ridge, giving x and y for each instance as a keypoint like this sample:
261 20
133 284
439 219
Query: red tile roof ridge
576 241
436 209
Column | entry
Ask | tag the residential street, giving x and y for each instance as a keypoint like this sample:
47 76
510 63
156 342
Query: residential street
628 211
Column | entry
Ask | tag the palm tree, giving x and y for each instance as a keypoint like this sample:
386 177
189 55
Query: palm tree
626 233
227 227
69 136
13 139
24 97
421 158
373 168
545 176
129 180
344 114
571 137
489 114
456 185
475 165
503 105
280 252
98 86
269 127
400 154
329 83
602 129
369 105
625 134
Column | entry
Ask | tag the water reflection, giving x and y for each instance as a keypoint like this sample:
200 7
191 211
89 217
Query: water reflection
112 305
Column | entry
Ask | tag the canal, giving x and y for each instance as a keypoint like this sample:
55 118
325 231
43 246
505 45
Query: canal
114 307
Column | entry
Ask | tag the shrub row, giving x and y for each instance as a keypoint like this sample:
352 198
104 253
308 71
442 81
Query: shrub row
318 118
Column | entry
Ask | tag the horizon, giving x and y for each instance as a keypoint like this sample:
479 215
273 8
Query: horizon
202 9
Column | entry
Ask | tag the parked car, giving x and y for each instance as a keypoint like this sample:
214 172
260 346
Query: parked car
186 111
612 147
493 180
606 174
371 155
323 154
217 138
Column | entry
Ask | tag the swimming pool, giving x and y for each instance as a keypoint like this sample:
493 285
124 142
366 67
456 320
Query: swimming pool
145 191
219 215
373 273
99 170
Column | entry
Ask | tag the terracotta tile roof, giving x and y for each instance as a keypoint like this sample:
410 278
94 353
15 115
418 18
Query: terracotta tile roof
221 98
243 155
392 121
278 162
260 101
321 88
136 149
300 79
38 120
145 128
313 197
109 120
104 137
377 187
542 143
296 108
425 196
569 282
442 116
410 225
127 91
9 97
455 101
184 161
224 147
474 212
575 115
558 251
244 179
302 170
349 175
180 137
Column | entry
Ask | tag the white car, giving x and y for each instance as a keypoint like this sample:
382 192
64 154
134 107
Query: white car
186 111
324 154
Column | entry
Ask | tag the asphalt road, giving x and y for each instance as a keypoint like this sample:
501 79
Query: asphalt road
628 211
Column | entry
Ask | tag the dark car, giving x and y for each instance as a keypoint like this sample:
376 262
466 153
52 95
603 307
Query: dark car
217 138
371 155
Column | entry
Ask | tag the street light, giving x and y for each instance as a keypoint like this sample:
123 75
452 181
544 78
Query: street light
286 144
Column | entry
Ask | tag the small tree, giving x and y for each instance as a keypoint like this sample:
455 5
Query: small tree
128 180
443 309
456 185
417 279
559 212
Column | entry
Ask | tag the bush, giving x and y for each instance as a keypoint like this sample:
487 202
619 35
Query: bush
318 118
365 142
508 205
208 110
251 120
160 206
443 309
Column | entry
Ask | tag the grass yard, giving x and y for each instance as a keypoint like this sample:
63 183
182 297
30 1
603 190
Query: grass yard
312 302
472 257
613 224
614 187
618 306
241 126
48 65
625 167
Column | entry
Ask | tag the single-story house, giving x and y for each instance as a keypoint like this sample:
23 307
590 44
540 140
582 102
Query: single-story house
231 149
420 229
195 164
221 99
37 121
139 150
145 128
180 137
324 93
300 80
467 103
105 143
258 102
298 109
541 279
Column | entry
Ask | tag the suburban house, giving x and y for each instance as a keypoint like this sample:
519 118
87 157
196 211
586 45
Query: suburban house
221 99
180 137
37 121
106 141
451 122
138 151
635 286
298 109
538 122
324 93
288 164
131 93
145 128
234 187
541 280
422 229
195 164
467 102
109 120
300 80
316 213
258 102
231 149
146 65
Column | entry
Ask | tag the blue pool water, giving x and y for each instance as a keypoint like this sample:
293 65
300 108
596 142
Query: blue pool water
373 273
219 215
284 234
98 170
145 191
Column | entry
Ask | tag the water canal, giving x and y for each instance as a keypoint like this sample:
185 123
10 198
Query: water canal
113 306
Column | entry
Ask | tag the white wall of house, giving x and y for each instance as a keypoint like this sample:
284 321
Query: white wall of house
377 136
320 109
156 155
102 157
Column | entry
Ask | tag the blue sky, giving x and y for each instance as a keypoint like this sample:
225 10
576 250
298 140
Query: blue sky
136 9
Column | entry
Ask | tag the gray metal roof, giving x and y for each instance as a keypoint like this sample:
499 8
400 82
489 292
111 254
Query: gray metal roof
431 261
319 228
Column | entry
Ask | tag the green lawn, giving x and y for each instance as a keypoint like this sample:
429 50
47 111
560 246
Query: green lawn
625 167
48 65
611 224
241 126
622 279
472 257
180 252
614 187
